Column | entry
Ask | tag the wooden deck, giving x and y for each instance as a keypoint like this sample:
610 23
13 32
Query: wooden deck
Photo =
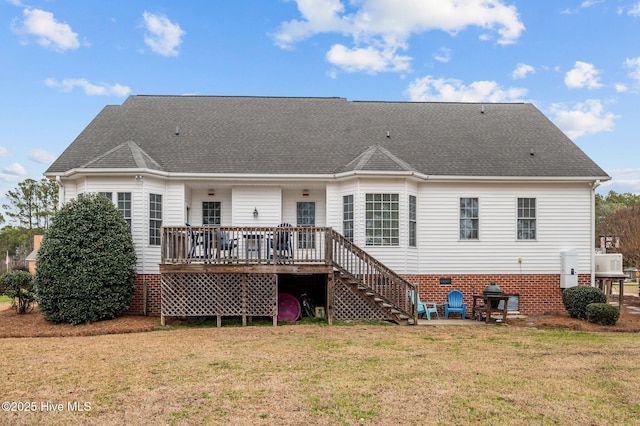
233 271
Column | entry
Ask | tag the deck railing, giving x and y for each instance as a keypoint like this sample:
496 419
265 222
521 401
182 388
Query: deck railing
245 245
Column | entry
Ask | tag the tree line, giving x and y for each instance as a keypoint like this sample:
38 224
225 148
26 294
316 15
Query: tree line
27 212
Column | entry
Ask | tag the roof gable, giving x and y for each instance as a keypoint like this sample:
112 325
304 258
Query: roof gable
377 158
126 155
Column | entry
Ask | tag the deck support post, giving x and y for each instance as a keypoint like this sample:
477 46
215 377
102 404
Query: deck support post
330 297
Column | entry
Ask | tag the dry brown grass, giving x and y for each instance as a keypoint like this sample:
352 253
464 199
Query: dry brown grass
311 374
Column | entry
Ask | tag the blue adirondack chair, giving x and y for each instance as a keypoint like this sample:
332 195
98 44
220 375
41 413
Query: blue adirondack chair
425 308
455 304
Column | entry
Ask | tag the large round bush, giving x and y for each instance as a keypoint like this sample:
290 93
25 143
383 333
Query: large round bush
576 299
86 265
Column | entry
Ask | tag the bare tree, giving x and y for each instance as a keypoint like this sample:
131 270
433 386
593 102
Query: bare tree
624 224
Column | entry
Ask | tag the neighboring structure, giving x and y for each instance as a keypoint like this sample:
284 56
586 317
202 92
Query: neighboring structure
448 195
31 258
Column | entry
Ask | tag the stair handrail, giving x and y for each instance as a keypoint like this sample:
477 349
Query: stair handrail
371 273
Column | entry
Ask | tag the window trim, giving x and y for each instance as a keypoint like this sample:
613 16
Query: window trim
413 221
473 220
348 215
520 231
219 211
128 218
155 219
375 236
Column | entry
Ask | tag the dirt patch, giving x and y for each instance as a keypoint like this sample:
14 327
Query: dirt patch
33 324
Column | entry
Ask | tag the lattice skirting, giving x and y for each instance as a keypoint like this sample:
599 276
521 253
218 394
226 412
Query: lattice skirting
349 305
224 294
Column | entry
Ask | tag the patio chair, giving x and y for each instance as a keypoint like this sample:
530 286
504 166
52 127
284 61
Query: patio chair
195 239
425 308
455 304
280 243
226 245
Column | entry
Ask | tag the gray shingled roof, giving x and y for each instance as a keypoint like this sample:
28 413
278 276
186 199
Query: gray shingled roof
270 135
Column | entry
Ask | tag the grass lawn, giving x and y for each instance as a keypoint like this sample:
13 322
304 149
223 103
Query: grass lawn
320 375
4 299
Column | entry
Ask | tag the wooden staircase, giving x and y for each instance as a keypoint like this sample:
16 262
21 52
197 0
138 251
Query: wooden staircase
377 285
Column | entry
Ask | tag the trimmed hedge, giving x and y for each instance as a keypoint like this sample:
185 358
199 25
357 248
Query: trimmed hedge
576 299
602 313
86 264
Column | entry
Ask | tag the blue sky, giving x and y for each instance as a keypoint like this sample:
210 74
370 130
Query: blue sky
577 61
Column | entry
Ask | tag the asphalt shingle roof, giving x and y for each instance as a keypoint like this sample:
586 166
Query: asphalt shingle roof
270 135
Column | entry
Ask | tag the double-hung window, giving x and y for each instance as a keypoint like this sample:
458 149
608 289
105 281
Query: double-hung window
155 218
412 221
382 220
526 218
124 206
109 195
469 219
347 217
211 212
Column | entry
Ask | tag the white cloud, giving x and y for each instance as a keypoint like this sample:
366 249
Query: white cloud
585 118
522 70
443 55
451 90
90 89
634 10
634 65
620 87
4 152
50 33
582 75
41 156
622 180
379 28
369 59
164 37
15 169
589 3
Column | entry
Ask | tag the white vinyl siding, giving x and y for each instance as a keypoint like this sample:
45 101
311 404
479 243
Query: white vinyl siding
564 222
267 200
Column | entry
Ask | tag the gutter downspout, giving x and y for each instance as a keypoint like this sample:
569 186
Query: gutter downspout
594 185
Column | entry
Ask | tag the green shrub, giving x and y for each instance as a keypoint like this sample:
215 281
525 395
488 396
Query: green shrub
576 299
602 313
19 286
86 264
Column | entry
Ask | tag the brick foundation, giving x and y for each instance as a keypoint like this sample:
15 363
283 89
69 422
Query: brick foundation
537 293
153 296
